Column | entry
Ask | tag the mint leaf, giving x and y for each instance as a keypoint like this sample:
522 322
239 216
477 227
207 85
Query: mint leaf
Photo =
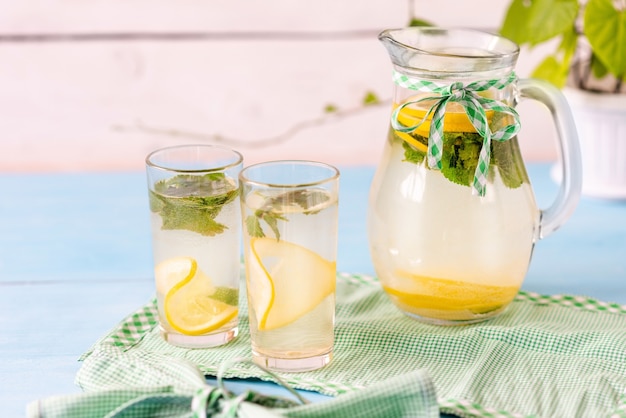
253 227
189 202
156 204
460 156
307 199
411 154
507 157
272 221
228 295
192 218
271 218
462 149
310 200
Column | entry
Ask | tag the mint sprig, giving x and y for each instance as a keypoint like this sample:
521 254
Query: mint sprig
228 295
460 157
192 203
272 210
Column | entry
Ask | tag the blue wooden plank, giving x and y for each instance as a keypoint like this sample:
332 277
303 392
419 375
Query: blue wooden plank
587 255
74 227
46 326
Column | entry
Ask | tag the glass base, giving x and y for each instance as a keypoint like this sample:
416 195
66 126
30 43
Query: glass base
292 364
466 320
199 341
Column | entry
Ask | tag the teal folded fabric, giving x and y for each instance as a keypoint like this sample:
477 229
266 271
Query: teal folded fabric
545 356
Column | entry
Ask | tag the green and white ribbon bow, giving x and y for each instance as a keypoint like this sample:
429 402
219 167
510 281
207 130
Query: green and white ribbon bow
474 104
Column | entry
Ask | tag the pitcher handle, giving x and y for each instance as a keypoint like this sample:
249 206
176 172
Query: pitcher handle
568 150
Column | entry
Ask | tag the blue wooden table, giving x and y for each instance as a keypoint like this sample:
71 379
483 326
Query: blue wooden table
75 259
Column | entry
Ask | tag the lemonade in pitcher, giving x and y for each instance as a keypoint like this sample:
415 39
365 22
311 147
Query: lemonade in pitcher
452 218
290 241
443 254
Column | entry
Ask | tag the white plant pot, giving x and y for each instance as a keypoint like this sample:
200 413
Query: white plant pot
601 124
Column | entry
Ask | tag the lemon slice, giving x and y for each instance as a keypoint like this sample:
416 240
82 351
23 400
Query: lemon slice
286 281
450 295
190 306
455 119
416 144
174 270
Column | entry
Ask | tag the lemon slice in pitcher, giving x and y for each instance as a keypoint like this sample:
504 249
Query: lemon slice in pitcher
454 120
190 305
417 292
286 281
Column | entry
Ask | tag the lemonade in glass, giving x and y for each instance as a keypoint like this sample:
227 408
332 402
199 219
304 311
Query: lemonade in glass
290 221
196 227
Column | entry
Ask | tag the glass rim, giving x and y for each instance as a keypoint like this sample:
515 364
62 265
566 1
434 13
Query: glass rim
237 159
334 174
512 47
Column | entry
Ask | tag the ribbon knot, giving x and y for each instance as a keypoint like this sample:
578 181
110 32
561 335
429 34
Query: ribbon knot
455 91
206 399
473 104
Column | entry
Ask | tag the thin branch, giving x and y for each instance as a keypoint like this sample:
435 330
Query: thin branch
587 71
411 4
283 137
187 36
618 84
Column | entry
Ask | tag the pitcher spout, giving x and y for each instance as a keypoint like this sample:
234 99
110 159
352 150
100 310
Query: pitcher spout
439 50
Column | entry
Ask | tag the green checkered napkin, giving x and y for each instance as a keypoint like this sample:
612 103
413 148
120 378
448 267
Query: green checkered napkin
560 356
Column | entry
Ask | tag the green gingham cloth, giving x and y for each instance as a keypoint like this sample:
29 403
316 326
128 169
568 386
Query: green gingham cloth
545 356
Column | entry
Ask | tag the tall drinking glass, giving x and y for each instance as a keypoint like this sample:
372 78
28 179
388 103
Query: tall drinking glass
290 222
196 237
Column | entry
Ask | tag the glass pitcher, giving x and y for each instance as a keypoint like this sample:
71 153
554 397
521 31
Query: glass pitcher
452 217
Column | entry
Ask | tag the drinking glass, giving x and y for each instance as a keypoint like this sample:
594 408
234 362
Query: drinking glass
196 241
290 222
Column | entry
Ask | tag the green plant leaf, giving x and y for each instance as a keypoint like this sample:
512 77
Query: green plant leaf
599 70
516 22
550 69
568 47
555 68
419 22
538 21
605 28
370 98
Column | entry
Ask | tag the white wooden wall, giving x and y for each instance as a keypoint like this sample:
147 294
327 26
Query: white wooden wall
97 84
